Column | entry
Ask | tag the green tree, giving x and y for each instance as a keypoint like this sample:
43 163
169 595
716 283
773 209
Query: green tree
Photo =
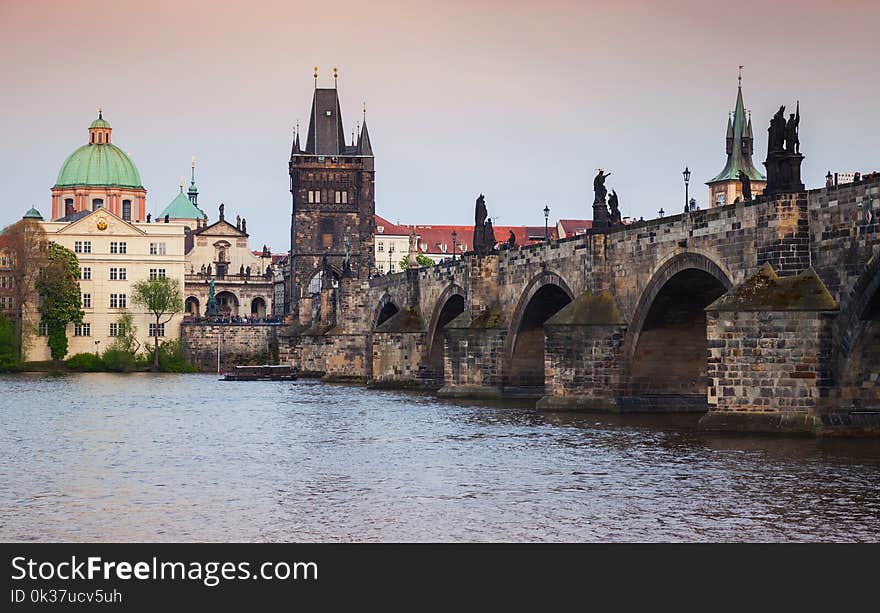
126 337
60 298
421 259
25 246
163 298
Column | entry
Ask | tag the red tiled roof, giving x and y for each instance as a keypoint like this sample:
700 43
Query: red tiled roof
573 227
389 228
432 237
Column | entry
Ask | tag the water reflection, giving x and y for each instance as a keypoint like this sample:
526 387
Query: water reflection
184 457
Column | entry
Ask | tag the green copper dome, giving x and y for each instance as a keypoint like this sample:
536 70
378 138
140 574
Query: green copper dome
33 214
181 208
99 165
100 122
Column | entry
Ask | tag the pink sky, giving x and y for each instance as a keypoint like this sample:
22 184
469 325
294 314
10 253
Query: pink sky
521 101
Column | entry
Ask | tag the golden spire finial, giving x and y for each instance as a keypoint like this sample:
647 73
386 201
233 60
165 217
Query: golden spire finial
100 112
194 161
181 183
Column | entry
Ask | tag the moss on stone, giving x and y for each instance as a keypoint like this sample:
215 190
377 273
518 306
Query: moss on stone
589 309
767 291
405 320
492 317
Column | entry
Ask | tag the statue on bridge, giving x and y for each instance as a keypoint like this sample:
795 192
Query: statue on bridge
614 205
484 235
412 256
784 157
746 186
792 142
601 218
211 308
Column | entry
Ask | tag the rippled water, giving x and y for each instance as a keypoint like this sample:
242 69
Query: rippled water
185 457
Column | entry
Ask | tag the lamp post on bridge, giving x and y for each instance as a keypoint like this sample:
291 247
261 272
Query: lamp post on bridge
546 222
687 179
454 242
390 251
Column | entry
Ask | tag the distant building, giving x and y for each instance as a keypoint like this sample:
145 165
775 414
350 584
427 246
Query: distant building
566 228
436 241
391 244
244 282
725 188
840 178
113 255
99 175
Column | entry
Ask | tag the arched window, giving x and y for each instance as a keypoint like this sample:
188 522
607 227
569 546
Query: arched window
92 138
126 210
97 203
315 283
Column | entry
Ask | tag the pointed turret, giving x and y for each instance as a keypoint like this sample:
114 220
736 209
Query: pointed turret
193 191
725 187
295 148
364 146
326 136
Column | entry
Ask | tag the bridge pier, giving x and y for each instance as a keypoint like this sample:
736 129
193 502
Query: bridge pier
399 348
770 354
582 355
473 358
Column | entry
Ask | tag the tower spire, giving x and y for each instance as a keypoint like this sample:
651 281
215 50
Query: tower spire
193 191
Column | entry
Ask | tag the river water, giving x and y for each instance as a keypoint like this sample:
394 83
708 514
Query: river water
101 457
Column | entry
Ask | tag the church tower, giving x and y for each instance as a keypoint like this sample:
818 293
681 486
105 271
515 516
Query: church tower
740 143
331 184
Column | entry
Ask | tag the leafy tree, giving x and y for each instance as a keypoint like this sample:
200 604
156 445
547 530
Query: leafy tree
25 246
10 347
421 260
60 299
126 338
163 298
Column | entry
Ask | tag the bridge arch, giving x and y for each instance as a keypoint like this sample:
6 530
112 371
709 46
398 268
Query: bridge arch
665 349
857 341
385 310
449 305
542 298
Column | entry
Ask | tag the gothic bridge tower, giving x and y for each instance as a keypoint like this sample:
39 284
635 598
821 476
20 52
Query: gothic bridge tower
331 184
725 188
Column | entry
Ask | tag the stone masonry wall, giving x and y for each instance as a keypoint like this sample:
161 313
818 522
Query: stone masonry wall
399 359
239 344
582 366
768 362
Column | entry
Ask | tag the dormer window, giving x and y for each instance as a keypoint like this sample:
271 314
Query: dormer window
380 229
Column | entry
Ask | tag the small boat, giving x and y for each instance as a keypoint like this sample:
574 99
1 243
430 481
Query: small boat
260 373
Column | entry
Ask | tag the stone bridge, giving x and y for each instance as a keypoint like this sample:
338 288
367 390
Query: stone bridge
764 315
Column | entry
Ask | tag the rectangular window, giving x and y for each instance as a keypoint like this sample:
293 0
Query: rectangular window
382 268
114 274
157 248
314 196
117 329
117 301
381 246
87 247
157 273
117 247
157 330
85 273
44 329
82 329
341 197
3 261
87 301
77 246
4 281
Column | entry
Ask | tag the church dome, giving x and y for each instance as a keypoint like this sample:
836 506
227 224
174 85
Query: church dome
99 163
182 208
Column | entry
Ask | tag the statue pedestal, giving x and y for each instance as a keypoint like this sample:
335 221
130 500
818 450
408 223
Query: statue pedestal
783 173
600 216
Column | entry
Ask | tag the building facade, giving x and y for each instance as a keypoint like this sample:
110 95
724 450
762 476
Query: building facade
113 254
244 281
391 244
99 175
333 204
726 187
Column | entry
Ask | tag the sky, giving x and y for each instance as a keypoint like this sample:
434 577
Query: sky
520 101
